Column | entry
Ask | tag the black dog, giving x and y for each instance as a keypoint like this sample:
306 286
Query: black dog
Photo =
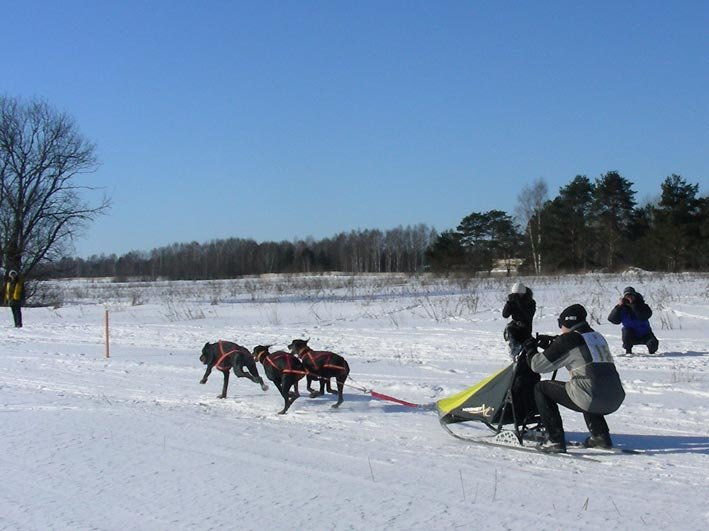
322 365
284 370
224 355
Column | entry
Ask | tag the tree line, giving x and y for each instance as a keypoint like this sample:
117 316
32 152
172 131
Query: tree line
588 225
401 249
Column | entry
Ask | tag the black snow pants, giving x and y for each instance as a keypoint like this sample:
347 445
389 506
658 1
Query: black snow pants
16 314
630 339
548 395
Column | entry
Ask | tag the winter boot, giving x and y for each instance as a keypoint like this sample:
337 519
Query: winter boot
652 345
534 434
599 441
551 447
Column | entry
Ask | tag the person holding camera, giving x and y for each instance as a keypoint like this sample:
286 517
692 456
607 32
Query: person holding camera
521 306
633 313
594 388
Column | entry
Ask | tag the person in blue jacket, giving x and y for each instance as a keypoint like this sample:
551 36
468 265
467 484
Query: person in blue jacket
633 313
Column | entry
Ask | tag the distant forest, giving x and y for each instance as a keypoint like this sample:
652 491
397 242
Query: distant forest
589 225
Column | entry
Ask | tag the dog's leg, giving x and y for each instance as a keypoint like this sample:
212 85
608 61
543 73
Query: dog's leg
278 381
207 373
321 392
293 383
313 392
340 388
289 399
264 386
241 373
225 386
254 376
330 389
278 385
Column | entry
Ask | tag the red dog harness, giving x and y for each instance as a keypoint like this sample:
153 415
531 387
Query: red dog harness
287 361
326 364
223 356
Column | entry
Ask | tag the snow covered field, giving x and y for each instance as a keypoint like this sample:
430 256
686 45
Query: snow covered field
135 442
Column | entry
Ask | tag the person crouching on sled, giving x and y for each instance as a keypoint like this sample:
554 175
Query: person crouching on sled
594 388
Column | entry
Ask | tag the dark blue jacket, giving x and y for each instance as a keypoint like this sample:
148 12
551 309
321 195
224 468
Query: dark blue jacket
633 316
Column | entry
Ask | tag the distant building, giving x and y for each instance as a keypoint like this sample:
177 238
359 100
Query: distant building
507 266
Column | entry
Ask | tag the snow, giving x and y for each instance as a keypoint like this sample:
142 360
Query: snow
135 442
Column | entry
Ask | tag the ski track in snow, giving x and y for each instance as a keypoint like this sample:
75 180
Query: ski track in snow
134 441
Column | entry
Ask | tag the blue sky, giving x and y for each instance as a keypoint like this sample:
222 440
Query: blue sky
276 120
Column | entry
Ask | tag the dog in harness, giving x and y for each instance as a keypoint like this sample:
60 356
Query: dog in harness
284 370
225 356
321 365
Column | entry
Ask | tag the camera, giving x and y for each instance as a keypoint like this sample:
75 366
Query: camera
544 340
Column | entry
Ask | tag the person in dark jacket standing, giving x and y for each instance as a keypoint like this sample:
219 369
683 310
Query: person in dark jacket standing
14 296
594 388
634 314
521 306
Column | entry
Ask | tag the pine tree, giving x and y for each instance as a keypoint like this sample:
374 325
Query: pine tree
677 221
613 206
487 236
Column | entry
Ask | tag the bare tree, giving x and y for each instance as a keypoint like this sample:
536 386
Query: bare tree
41 209
530 203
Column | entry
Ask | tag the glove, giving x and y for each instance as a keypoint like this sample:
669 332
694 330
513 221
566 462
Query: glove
543 341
